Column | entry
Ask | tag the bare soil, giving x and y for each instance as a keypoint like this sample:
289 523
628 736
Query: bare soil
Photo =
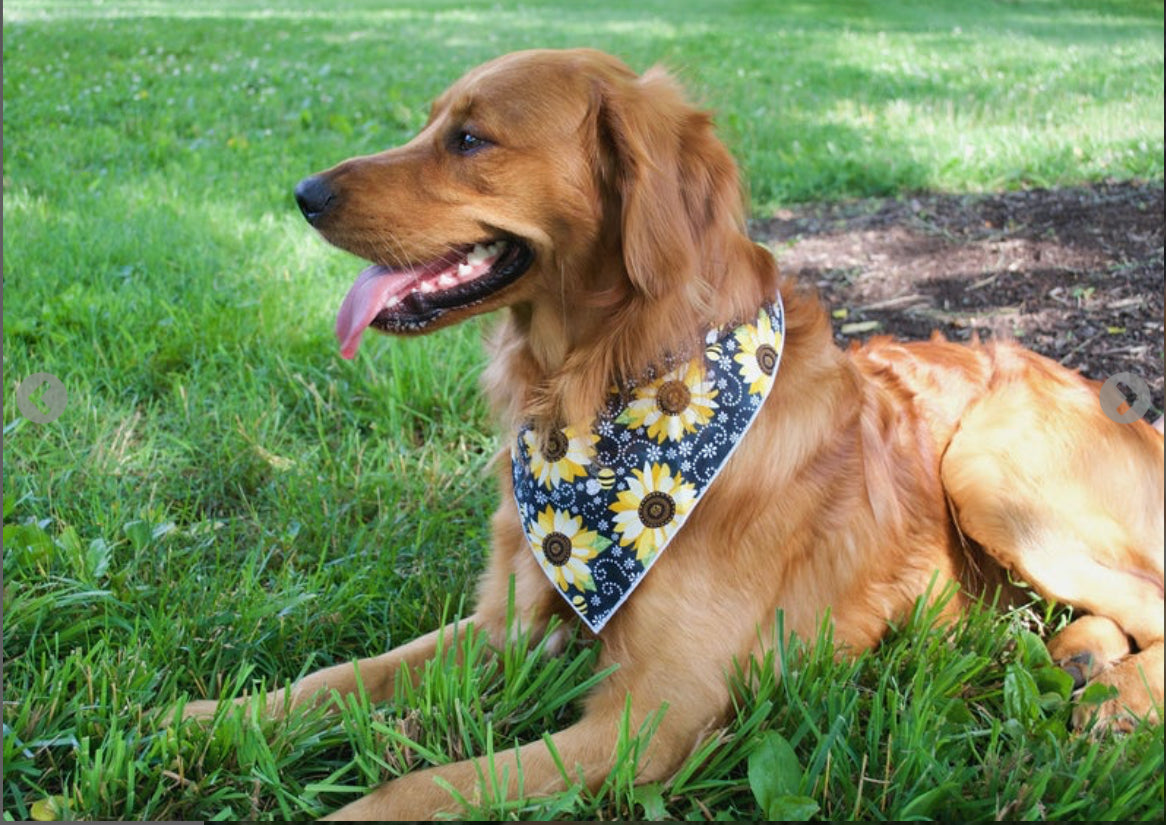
1076 273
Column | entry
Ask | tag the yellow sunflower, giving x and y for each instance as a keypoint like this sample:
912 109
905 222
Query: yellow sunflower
760 346
561 456
673 405
563 548
648 511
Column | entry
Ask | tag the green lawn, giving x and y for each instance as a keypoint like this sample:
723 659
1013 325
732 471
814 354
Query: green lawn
225 500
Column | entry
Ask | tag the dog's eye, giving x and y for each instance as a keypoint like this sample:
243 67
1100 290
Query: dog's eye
466 143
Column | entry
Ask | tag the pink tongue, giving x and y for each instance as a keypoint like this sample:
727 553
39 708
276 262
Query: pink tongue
364 300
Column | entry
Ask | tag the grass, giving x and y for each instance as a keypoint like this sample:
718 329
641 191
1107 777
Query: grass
226 501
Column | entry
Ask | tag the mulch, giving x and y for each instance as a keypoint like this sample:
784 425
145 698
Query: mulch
1074 273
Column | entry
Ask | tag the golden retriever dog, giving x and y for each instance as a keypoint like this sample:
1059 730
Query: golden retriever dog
596 208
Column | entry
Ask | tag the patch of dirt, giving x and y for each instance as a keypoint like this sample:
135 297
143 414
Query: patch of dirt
1076 274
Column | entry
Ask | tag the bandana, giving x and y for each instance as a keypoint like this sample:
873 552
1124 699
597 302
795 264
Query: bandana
599 507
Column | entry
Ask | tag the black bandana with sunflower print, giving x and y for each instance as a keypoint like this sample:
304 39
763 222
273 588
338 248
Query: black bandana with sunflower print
599 507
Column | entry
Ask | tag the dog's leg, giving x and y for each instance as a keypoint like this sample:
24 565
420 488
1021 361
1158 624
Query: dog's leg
417 796
587 750
377 675
1072 503
668 664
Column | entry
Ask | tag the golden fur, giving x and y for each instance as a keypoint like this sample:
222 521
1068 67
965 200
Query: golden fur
866 474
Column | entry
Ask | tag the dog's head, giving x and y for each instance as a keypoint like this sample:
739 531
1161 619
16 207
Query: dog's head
556 182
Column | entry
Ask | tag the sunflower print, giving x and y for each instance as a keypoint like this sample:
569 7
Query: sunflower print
650 510
759 354
562 456
564 547
673 405
599 503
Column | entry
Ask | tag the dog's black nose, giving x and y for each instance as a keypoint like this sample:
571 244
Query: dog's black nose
315 197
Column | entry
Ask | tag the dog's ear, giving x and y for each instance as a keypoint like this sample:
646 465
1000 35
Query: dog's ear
673 179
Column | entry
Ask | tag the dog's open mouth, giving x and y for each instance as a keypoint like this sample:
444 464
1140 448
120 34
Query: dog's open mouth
410 299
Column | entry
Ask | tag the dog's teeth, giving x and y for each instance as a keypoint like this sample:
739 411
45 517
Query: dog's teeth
393 301
446 280
466 269
478 254
428 286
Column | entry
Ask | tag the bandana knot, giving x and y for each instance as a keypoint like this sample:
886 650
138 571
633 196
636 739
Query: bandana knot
599 507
